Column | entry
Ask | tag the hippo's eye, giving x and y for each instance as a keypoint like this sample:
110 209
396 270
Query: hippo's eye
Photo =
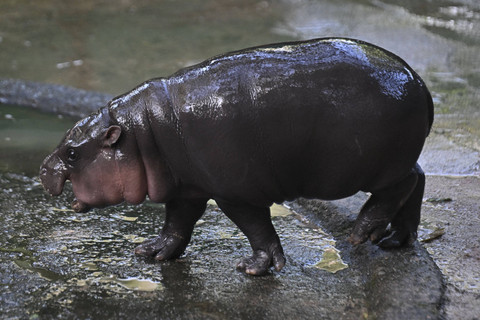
72 155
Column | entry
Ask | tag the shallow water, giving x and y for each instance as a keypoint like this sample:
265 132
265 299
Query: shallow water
26 137
113 46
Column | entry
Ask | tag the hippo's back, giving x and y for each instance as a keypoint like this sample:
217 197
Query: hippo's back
323 118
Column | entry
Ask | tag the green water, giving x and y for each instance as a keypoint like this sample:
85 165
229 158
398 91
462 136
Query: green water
111 46
26 137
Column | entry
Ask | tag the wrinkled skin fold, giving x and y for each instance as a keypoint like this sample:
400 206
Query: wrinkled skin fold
323 119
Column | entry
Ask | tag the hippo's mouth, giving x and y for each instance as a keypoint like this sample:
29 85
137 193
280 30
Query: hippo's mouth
80 207
53 183
53 174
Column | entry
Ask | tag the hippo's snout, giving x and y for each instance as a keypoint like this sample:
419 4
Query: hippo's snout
53 175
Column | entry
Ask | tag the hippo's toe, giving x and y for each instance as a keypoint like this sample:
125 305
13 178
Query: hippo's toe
163 247
260 262
398 238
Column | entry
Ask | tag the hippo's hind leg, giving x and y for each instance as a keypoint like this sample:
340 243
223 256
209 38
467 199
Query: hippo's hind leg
181 216
399 206
256 224
405 223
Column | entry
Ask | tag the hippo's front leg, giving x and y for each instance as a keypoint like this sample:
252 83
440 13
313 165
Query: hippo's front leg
256 224
181 216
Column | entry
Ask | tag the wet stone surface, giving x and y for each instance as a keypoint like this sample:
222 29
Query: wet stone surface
451 207
55 263
58 263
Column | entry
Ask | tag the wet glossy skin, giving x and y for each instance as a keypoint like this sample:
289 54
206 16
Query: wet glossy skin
319 119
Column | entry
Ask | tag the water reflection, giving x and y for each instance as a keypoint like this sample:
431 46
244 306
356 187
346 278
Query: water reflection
83 256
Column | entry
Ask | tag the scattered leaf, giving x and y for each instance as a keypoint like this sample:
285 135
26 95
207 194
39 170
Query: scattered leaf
428 232
139 284
90 266
277 210
61 209
134 238
438 200
125 218
200 222
212 202
331 261
131 219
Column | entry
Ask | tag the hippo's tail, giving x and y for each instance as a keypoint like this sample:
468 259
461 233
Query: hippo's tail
429 99
430 108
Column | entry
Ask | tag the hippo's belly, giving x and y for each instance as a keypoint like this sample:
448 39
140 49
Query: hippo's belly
319 120
306 144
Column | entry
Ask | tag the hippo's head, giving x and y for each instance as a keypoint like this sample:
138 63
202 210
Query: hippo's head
91 156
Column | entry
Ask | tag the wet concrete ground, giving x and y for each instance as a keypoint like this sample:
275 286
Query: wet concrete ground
452 207
56 263
61 264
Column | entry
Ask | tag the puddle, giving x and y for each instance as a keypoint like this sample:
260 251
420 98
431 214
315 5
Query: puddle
92 254
138 284
113 284
42 272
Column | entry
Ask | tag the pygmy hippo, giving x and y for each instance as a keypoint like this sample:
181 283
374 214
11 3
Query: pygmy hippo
323 119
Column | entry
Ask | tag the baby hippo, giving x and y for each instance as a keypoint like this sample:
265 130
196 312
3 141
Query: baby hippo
323 119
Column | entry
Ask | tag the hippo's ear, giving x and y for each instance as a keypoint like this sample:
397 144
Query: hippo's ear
111 135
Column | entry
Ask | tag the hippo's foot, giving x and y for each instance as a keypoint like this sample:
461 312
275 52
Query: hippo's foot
261 261
397 238
163 247
391 216
181 216
256 224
